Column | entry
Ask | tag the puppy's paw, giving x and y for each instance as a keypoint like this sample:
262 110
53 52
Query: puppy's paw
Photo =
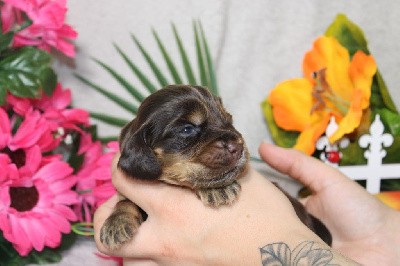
121 226
215 197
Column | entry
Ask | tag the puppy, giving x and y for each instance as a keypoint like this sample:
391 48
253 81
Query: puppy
182 135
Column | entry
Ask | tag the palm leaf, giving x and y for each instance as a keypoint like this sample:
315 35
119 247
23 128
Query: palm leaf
171 66
144 80
156 70
211 71
109 119
111 96
129 87
184 57
200 57
206 72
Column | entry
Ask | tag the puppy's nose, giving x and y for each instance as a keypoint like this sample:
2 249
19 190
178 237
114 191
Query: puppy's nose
234 148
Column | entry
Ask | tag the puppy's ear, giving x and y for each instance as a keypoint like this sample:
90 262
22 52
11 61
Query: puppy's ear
137 158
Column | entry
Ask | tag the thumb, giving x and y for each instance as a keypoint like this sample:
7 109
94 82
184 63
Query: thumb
309 171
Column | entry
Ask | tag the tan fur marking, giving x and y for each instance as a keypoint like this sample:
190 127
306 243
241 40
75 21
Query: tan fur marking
196 117
181 172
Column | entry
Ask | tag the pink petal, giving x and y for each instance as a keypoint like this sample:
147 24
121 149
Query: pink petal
28 132
67 198
61 223
59 187
35 232
66 212
33 158
76 116
20 105
53 235
5 130
54 171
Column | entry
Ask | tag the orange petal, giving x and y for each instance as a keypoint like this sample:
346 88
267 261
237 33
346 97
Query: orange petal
351 120
328 53
292 101
308 138
361 71
390 198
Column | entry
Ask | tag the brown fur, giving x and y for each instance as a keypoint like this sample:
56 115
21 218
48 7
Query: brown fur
182 135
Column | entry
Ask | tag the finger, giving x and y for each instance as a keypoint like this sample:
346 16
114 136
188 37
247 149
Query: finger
139 262
150 195
306 169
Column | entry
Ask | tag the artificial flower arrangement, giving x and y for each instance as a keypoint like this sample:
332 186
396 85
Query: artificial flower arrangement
340 80
53 170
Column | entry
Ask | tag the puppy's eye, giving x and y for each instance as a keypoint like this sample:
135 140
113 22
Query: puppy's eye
189 130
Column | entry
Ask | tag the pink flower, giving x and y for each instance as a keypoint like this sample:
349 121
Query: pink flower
94 177
85 181
34 130
32 136
47 29
34 209
54 108
8 170
104 188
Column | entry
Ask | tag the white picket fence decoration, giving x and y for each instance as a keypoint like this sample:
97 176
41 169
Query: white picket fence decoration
374 171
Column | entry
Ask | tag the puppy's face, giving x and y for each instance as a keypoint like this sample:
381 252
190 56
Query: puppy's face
183 135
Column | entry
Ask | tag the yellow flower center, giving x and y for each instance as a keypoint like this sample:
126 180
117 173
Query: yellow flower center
323 94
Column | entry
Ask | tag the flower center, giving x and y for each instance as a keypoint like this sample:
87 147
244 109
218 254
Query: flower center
17 157
323 93
23 198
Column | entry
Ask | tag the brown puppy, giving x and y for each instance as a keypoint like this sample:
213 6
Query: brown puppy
182 135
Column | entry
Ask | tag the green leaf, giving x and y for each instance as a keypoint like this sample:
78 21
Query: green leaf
110 120
139 74
348 34
129 87
391 121
5 40
211 71
384 92
281 137
108 139
25 71
156 70
48 79
200 56
171 66
3 92
112 96
185 60
353 155
392 152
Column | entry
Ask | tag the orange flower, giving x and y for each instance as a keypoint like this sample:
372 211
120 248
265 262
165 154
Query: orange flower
390 198
332 86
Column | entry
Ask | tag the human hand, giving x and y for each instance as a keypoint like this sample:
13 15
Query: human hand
181 230
362 228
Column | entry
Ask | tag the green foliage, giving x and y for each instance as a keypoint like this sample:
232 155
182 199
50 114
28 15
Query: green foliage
281 137
25 71
205 75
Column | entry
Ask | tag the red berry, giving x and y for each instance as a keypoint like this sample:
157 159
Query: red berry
333 156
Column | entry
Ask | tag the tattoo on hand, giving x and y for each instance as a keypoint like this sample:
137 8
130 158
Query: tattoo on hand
303 254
